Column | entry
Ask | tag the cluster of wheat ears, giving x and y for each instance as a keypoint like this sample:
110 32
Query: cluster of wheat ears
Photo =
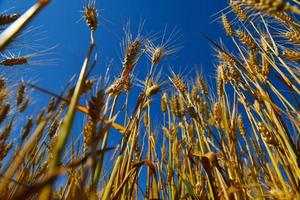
240 143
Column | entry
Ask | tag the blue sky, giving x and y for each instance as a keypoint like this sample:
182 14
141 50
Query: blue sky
60 20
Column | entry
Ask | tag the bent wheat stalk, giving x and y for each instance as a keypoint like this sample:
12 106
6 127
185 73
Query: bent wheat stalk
80 108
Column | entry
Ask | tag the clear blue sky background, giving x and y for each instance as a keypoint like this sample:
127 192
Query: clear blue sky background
60 20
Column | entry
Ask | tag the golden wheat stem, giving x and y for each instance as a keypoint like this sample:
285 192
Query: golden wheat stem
126 117
249 115
274 49
282 99
148 185
296 1
284 77
67 122
107 189
278 171
22 171
81 108
283 141
222 183
22 154
281 179
290 173
99 166
277 54
243 75
8 34
282 131
282 62
270 173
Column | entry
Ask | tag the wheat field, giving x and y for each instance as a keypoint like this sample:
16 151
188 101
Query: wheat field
240 141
